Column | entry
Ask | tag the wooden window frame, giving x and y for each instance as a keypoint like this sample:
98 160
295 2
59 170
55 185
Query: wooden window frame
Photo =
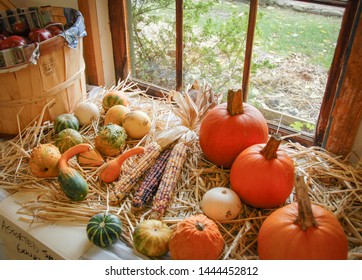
324 134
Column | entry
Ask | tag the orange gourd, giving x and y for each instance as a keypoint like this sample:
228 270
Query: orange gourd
110 170
263 175
44 160
229 128
301 231
196 238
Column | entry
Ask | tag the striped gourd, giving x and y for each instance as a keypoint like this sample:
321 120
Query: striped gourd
90 158
151 181
110 140
104 229
68 138
131 176
113 98
64 121
169 179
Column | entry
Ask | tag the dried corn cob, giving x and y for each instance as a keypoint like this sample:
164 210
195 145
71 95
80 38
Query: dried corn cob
129 179
169 179
152 179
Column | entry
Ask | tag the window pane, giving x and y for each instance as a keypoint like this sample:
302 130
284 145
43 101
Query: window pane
152 38
293 52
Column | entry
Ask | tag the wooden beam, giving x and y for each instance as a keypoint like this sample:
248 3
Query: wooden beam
335 72
346 112
118 24
92 46
253 12
179 43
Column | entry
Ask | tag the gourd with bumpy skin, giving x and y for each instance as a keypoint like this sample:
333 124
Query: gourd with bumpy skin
263 175
151 238
301 231
196 238
104 229
74 186
111 139
229 128
44 161
64 121
68 138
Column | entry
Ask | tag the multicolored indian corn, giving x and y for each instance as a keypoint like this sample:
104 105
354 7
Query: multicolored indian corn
169 179
128 180
151 182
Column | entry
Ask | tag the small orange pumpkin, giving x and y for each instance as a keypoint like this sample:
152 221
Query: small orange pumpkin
44 161
229 128
263 175
196 238
301 231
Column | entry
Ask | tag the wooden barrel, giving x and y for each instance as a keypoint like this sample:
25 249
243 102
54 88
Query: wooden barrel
40 92
58 79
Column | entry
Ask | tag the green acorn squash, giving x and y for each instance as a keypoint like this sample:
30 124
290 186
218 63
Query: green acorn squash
104 229
64 121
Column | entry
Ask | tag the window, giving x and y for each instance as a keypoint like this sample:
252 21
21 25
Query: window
121 32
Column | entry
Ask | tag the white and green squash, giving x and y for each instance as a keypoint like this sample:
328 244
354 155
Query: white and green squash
104 229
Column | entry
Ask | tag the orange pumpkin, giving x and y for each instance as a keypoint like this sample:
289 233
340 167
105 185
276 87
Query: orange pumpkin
263 175
196 238
301 231
229 128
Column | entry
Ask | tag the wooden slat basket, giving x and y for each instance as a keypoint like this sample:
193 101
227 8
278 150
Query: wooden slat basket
52 86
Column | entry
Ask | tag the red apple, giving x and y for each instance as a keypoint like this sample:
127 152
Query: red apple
55 28
20 28
39 35
12 42
2 37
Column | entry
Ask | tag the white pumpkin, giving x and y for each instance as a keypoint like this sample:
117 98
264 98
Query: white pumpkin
221 204
137 124
86 112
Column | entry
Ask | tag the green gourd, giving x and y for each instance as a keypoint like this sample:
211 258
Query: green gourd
68 138
104 229
64 121
71 181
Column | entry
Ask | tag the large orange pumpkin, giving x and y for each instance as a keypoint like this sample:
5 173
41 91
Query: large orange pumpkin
263 175
196 238
229 128
301 231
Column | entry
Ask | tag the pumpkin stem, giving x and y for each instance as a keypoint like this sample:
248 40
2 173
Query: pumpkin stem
305 214
270 149
68 154
200 226
235 102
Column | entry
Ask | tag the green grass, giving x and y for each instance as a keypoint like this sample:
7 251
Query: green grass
284 31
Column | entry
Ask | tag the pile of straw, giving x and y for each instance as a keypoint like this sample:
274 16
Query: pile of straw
334 184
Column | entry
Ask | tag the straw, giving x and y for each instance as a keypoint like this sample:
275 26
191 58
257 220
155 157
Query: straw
334 183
